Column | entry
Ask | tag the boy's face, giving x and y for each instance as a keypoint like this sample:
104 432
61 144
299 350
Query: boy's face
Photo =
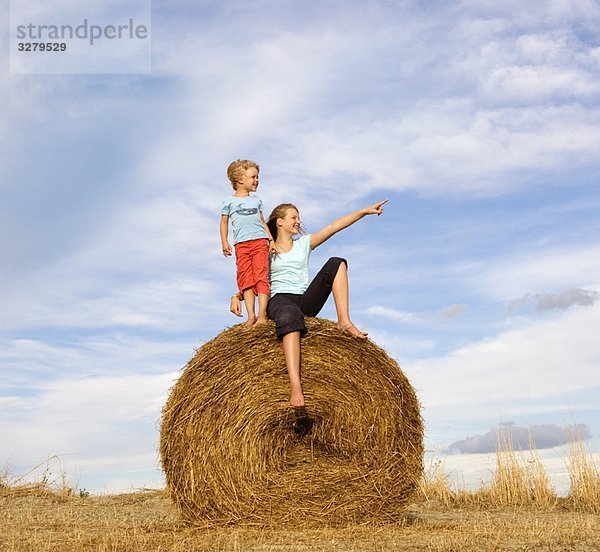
249 180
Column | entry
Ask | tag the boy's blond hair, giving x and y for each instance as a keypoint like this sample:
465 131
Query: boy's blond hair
237 168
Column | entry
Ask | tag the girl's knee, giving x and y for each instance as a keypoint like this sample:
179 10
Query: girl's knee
338 260
334 263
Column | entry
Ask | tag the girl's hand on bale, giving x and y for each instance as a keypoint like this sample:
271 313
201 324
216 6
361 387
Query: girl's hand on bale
376 209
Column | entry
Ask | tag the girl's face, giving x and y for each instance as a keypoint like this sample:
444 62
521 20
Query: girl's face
291 222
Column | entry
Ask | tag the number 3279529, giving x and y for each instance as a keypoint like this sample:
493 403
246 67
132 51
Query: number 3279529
42 46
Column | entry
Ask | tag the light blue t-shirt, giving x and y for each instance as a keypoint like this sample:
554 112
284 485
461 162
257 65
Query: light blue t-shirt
289 271
244 214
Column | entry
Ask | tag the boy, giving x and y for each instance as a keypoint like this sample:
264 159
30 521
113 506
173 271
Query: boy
251 238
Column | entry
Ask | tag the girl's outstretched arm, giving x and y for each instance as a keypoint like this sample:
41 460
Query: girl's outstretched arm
323 235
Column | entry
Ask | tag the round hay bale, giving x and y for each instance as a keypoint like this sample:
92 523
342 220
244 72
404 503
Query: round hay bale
233 450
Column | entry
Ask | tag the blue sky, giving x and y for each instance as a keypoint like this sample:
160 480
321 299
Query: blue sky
478 120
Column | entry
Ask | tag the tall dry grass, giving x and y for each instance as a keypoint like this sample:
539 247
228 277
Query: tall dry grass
47 478
584 493
437 486
520 480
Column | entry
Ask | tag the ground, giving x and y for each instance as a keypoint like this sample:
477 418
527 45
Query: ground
146 521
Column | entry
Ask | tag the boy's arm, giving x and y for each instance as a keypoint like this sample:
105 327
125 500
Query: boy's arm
224 229
235 305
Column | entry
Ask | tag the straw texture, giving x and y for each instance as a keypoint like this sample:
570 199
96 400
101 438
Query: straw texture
234 451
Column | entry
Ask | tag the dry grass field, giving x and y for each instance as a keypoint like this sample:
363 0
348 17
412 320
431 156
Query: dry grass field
518 511
147 521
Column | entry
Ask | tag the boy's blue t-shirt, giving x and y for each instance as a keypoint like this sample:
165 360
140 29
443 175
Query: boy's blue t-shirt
244 213
289 271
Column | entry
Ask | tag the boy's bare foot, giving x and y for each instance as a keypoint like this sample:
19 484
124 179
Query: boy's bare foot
353 331
250 322
297 398
262 320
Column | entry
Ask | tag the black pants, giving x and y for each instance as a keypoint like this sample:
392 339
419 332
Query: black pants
289 309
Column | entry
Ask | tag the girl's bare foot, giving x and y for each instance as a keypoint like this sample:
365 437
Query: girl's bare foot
297 398
353 330
261 320
250 322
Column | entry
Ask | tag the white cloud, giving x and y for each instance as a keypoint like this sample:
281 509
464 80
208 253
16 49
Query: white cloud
93 423
530 271
562 300
21 103
415 317
535 362
273 90
527 83
394 314
171 305
544 13
154 266
452 311
30 366
450 147
403 348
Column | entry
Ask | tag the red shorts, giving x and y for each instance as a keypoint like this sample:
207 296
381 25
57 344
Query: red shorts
252 261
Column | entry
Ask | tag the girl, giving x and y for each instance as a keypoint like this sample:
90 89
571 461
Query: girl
292 297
